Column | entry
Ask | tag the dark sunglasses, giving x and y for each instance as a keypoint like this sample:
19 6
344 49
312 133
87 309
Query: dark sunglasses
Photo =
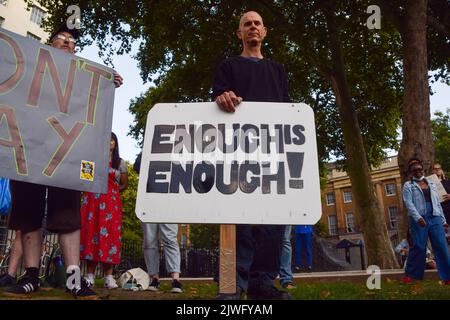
417 169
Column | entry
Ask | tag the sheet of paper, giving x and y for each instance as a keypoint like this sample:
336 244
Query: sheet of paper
440 188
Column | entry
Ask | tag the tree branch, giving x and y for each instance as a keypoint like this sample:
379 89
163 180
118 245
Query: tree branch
438 26
393 14
325 71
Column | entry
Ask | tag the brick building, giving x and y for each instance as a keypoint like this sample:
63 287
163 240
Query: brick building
339 212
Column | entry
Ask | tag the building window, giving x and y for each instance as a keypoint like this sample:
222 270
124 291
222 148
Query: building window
1 21
347 196
329 198
350 222
392 217
390 189
332 225
32 36
37 15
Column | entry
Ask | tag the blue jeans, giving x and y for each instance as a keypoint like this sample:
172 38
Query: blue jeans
286 258
303 240
257 255
415 266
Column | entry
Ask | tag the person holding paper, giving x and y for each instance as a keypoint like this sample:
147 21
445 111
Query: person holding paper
437 169
426 220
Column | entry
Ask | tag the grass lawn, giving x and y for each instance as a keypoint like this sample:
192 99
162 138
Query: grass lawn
390 290
349 289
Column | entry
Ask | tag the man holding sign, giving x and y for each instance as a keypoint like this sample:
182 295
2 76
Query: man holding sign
250 77
63 211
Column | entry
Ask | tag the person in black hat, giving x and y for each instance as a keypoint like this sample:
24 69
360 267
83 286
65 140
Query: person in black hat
75 33
29 202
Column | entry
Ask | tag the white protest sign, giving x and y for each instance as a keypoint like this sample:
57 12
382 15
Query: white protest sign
255 166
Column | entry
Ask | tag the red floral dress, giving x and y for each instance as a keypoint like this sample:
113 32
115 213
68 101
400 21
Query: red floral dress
101 224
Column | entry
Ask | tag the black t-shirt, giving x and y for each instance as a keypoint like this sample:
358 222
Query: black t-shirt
427 194
263 80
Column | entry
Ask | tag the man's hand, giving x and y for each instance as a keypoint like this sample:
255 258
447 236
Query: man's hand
228 101
118 80
421 222
445 225
446 197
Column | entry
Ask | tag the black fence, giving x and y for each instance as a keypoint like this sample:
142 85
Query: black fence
194 262
327 256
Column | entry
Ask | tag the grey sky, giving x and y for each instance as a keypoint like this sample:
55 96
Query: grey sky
132 87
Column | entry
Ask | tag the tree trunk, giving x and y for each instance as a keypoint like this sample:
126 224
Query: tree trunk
378 245
417 138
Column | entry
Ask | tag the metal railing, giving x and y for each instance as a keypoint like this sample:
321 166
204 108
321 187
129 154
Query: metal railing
6 241
194 262
343 231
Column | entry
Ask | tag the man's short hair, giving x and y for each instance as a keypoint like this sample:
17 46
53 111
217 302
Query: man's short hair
412 161
63 28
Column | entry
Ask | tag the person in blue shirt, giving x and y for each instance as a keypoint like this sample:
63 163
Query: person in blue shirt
303 241
426 220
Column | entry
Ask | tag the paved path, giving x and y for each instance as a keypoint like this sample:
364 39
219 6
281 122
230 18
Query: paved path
355 275
335 275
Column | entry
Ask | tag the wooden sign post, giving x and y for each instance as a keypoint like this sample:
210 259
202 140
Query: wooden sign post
227 260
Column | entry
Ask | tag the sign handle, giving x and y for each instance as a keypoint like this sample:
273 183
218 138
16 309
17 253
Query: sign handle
227 260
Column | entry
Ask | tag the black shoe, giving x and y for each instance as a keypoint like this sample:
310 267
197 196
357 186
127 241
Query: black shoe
309 269
24 286
297 269
268 293
6 280
155 285
231 296
83 291
177 287
289 285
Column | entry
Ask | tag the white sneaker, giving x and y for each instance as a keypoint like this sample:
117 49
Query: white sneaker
89 280
110 283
